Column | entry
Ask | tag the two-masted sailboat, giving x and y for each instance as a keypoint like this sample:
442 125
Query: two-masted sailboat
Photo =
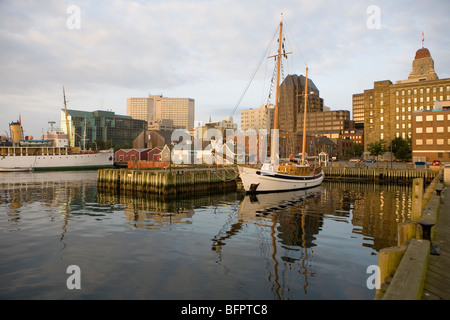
278 176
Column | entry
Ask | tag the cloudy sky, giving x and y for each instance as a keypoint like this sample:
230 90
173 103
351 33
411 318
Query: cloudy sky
104 52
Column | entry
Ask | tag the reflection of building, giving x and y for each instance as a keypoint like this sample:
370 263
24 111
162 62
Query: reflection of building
101 125
388 107
375 210
431 133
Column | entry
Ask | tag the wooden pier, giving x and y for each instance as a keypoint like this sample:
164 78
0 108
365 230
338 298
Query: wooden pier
170 181
381 175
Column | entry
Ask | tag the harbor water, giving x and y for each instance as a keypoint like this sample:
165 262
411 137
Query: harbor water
315 244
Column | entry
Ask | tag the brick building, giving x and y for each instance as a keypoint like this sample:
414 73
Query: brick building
431 134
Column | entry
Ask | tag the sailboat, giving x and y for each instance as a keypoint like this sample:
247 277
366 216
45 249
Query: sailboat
295 174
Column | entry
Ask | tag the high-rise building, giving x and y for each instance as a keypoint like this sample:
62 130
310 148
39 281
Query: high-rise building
257 119
291 103
141 108
180 110
358 110
388 107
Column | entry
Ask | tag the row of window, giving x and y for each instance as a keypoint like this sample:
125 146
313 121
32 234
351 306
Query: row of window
421 90
432 130
439 142
421 99
430 117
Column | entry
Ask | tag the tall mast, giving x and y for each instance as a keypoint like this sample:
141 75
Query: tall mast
304 117
277 92
67 117
277 96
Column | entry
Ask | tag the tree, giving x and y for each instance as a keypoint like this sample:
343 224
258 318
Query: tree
377 148
357 150
401 148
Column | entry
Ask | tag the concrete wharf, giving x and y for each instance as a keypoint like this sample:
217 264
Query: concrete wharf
418 267
437 281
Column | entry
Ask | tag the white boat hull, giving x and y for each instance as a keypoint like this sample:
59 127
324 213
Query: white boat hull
258 180
58 162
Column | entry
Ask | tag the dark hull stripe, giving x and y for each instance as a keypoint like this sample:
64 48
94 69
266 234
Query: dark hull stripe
287 177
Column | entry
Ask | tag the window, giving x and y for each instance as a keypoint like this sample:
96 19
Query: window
419 142
419 130
429 141
420 118
429 118
429 130
440 141
440 129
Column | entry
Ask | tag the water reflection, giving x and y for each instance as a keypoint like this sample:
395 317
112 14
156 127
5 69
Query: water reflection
295 245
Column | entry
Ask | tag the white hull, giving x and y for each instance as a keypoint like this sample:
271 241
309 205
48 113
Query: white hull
258 180
57 162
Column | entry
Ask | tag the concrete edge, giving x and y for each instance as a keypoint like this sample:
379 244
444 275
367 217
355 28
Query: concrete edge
409 278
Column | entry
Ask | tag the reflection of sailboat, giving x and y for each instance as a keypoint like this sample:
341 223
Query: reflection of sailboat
286 176
264 204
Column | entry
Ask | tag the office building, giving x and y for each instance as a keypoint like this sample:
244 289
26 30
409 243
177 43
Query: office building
327 121
388 107
141 108
431 133
291 104
358 110
257 119
154 108
86 128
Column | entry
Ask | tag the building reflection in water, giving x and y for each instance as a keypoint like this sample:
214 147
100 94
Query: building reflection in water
288 227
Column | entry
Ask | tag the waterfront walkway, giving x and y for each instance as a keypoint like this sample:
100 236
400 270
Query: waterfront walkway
437 281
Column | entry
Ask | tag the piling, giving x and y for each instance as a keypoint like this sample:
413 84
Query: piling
378 175
169 182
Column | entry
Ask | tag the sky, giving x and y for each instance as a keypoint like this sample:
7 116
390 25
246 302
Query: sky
103 52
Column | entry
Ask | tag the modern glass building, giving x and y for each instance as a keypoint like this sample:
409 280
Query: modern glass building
88 127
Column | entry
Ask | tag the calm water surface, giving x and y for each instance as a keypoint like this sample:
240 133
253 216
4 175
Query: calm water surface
314 245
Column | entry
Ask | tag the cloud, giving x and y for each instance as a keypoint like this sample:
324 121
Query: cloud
203 49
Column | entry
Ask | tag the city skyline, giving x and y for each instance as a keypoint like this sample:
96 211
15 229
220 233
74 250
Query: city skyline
104 53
